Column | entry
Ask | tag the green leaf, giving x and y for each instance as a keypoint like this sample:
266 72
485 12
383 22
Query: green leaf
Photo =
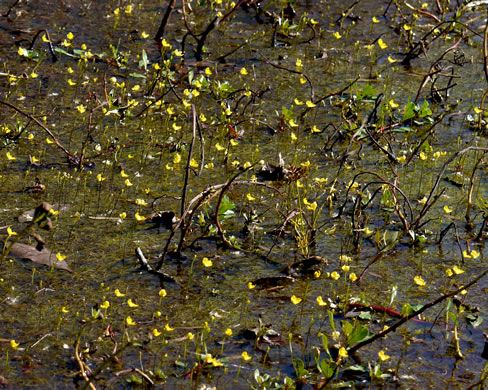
365 315
409 111
360 333
137 75
407 309
425 110
226 207
287 114
346 328
327 368
369 91
143 61
62 51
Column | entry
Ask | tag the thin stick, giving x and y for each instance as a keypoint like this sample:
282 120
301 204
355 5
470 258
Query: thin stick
415 313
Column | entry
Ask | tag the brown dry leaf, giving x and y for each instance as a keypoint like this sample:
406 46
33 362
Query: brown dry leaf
43 256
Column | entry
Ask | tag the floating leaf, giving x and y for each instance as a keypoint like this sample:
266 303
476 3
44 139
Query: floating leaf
43 256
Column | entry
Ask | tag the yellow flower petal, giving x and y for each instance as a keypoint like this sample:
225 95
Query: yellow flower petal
320 301
295 300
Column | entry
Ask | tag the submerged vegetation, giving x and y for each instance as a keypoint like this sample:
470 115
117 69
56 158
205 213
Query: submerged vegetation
256 194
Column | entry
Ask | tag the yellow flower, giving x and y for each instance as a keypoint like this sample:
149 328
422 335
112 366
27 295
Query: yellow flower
118 293
343 352
13 344
449 272
105 305
244 71
64 309
317 274
391 60
419 281
383 356
447 210
156 332
34 75
393 104
45 38
219 147
375 19
211 360
162 293
168 328
132 304
382 44
10 157
208 71
123 215
292 123
228 332
299 63
129 321
309 104
139 218
250 198
190 336
71 83
303 80
345 258
346 268
472 255
250 285
100 178
295 300
128 9
353 277
177 158
335 275
60 257
320 301
23 52
178 53
127 182
293 136
10 232
457 270
141 202
70 36
207 262
312 206
337 35
298 102
245 356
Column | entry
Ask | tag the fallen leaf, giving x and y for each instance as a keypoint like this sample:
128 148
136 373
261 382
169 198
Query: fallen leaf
44 256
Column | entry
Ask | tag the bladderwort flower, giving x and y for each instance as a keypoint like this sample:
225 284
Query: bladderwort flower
335 275
245 356
419 281
295 300
383 356
131 304
320 301
207 262
118 294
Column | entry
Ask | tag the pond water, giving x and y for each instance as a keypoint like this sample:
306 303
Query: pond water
370 212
